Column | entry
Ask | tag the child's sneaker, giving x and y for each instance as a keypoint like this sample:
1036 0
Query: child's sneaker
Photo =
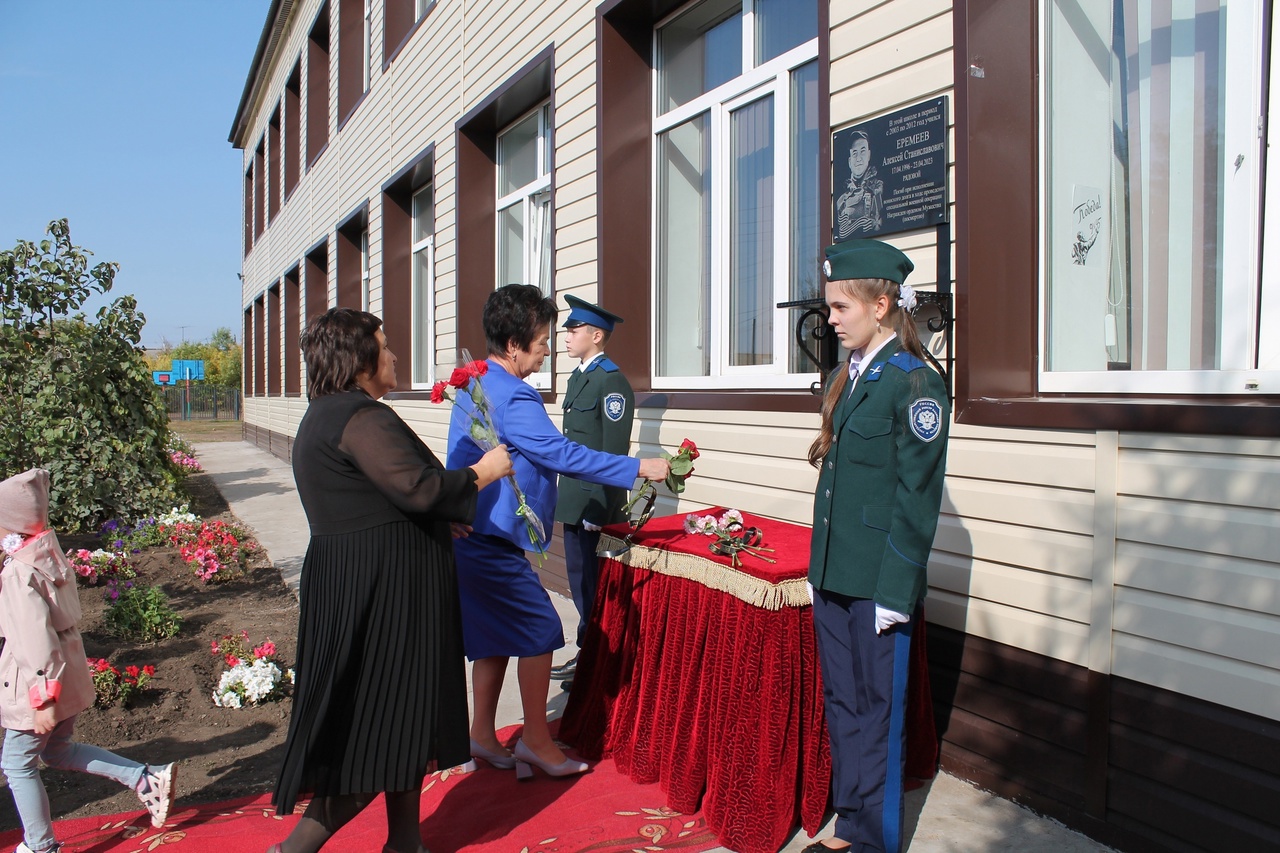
23 848
159 792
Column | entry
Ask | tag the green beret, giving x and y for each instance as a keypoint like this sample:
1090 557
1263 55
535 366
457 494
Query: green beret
866 259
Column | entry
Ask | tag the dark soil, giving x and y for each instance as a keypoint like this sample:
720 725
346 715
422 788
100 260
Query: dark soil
222 752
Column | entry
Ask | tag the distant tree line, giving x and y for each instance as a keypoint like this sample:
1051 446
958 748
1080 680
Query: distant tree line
221 356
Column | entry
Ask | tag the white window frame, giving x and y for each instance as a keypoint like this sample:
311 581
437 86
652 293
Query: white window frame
422 7
531 196
422 297
770 78
367 72
366 279
1250 291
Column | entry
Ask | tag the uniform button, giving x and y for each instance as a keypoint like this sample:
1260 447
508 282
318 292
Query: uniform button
829 466
39 672
828 493
826 523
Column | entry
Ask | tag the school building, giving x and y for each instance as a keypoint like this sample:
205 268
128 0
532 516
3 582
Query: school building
1083 184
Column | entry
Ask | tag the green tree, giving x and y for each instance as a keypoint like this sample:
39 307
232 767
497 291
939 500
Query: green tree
76 396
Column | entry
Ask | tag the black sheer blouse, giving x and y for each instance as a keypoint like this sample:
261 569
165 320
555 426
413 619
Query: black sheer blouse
358 465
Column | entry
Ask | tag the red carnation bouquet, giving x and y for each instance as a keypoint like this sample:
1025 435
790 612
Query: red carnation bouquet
467 378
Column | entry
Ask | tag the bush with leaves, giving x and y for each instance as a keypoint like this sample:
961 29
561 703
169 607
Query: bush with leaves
75 394
139 613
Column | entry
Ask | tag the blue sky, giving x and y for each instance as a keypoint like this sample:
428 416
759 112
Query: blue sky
116 116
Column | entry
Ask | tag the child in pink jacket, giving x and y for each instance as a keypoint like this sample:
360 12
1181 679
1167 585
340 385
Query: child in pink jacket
44 676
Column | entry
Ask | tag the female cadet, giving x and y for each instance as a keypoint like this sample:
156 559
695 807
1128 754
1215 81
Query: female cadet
880 455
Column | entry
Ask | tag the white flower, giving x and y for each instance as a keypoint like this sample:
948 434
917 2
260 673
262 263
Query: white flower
248 684
11 543
178 515
907 301
691 523
731 519
707 524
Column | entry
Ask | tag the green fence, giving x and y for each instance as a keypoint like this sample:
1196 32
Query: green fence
202 402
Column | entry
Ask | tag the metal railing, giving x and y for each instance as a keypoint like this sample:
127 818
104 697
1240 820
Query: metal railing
202 403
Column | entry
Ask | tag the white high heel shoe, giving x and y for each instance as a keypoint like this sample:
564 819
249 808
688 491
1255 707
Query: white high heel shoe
502 761
524 757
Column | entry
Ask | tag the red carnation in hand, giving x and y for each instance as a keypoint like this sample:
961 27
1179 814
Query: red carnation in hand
460 378
437 391
691 447
478 368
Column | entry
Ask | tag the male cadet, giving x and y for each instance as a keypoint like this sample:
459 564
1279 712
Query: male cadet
598 409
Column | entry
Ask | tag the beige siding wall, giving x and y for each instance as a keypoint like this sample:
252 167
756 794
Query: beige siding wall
1151 557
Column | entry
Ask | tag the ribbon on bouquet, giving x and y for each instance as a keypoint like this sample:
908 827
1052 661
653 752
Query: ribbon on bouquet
750 542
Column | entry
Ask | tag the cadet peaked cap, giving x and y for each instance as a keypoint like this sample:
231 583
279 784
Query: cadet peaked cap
866 259
583 313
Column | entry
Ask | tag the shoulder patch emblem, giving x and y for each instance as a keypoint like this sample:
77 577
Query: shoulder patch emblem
926 418
615 406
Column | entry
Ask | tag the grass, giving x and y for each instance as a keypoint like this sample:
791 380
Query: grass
208 430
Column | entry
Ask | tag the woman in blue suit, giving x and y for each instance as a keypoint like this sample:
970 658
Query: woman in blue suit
505 610
880 457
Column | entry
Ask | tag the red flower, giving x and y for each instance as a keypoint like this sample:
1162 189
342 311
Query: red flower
232 660
437 391
691 447
477 368
460 378
132 671
148 670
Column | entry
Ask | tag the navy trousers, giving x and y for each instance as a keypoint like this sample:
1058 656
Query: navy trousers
864 677
583 568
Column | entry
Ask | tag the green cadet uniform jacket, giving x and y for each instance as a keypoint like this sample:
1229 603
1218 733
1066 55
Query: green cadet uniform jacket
599 406
879 490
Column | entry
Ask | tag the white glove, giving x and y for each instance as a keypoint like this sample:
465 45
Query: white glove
586 525
886 618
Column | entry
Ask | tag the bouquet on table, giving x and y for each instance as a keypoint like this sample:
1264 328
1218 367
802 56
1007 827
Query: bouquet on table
467 378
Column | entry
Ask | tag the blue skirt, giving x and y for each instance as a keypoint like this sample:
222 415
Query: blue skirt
506 612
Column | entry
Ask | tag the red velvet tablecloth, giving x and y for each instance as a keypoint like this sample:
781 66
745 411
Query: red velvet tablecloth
705 678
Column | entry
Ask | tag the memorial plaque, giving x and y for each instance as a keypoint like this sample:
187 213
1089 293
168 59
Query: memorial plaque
889 174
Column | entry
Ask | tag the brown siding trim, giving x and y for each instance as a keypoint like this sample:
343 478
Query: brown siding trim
279 446
317 281
1175 771
292 129
246 367
259 348
397 253
350 57
274 173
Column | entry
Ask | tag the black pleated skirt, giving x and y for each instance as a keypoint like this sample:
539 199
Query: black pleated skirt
380 690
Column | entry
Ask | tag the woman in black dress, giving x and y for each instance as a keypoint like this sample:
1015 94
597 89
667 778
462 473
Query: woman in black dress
381 690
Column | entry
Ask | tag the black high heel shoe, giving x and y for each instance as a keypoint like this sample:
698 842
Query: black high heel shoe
524 757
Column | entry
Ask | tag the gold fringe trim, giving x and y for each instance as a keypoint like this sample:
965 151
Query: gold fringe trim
709 573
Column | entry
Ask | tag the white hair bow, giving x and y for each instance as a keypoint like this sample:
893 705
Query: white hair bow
907 299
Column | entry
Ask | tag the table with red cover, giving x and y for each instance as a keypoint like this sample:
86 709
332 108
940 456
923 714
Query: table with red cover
704 678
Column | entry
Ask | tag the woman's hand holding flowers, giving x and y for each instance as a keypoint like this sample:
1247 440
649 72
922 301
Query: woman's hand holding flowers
493 466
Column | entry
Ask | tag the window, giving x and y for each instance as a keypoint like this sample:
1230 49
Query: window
399 20
292 328
259 192
1153 190
423 307
353 259
354 54
248 209
274 173
259 347
273 350
292 129
318 86
736 195
524 209
317 281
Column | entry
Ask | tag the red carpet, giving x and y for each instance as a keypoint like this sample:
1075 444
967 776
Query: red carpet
486 811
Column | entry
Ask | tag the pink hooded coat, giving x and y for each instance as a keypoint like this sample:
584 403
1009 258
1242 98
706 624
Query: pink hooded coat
43 655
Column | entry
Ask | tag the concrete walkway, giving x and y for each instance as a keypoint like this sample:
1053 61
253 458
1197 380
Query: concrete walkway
946 816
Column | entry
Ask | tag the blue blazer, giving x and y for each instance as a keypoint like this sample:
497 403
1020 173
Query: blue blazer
538 453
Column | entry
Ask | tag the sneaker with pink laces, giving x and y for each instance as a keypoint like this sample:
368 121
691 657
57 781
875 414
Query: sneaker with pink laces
158 794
